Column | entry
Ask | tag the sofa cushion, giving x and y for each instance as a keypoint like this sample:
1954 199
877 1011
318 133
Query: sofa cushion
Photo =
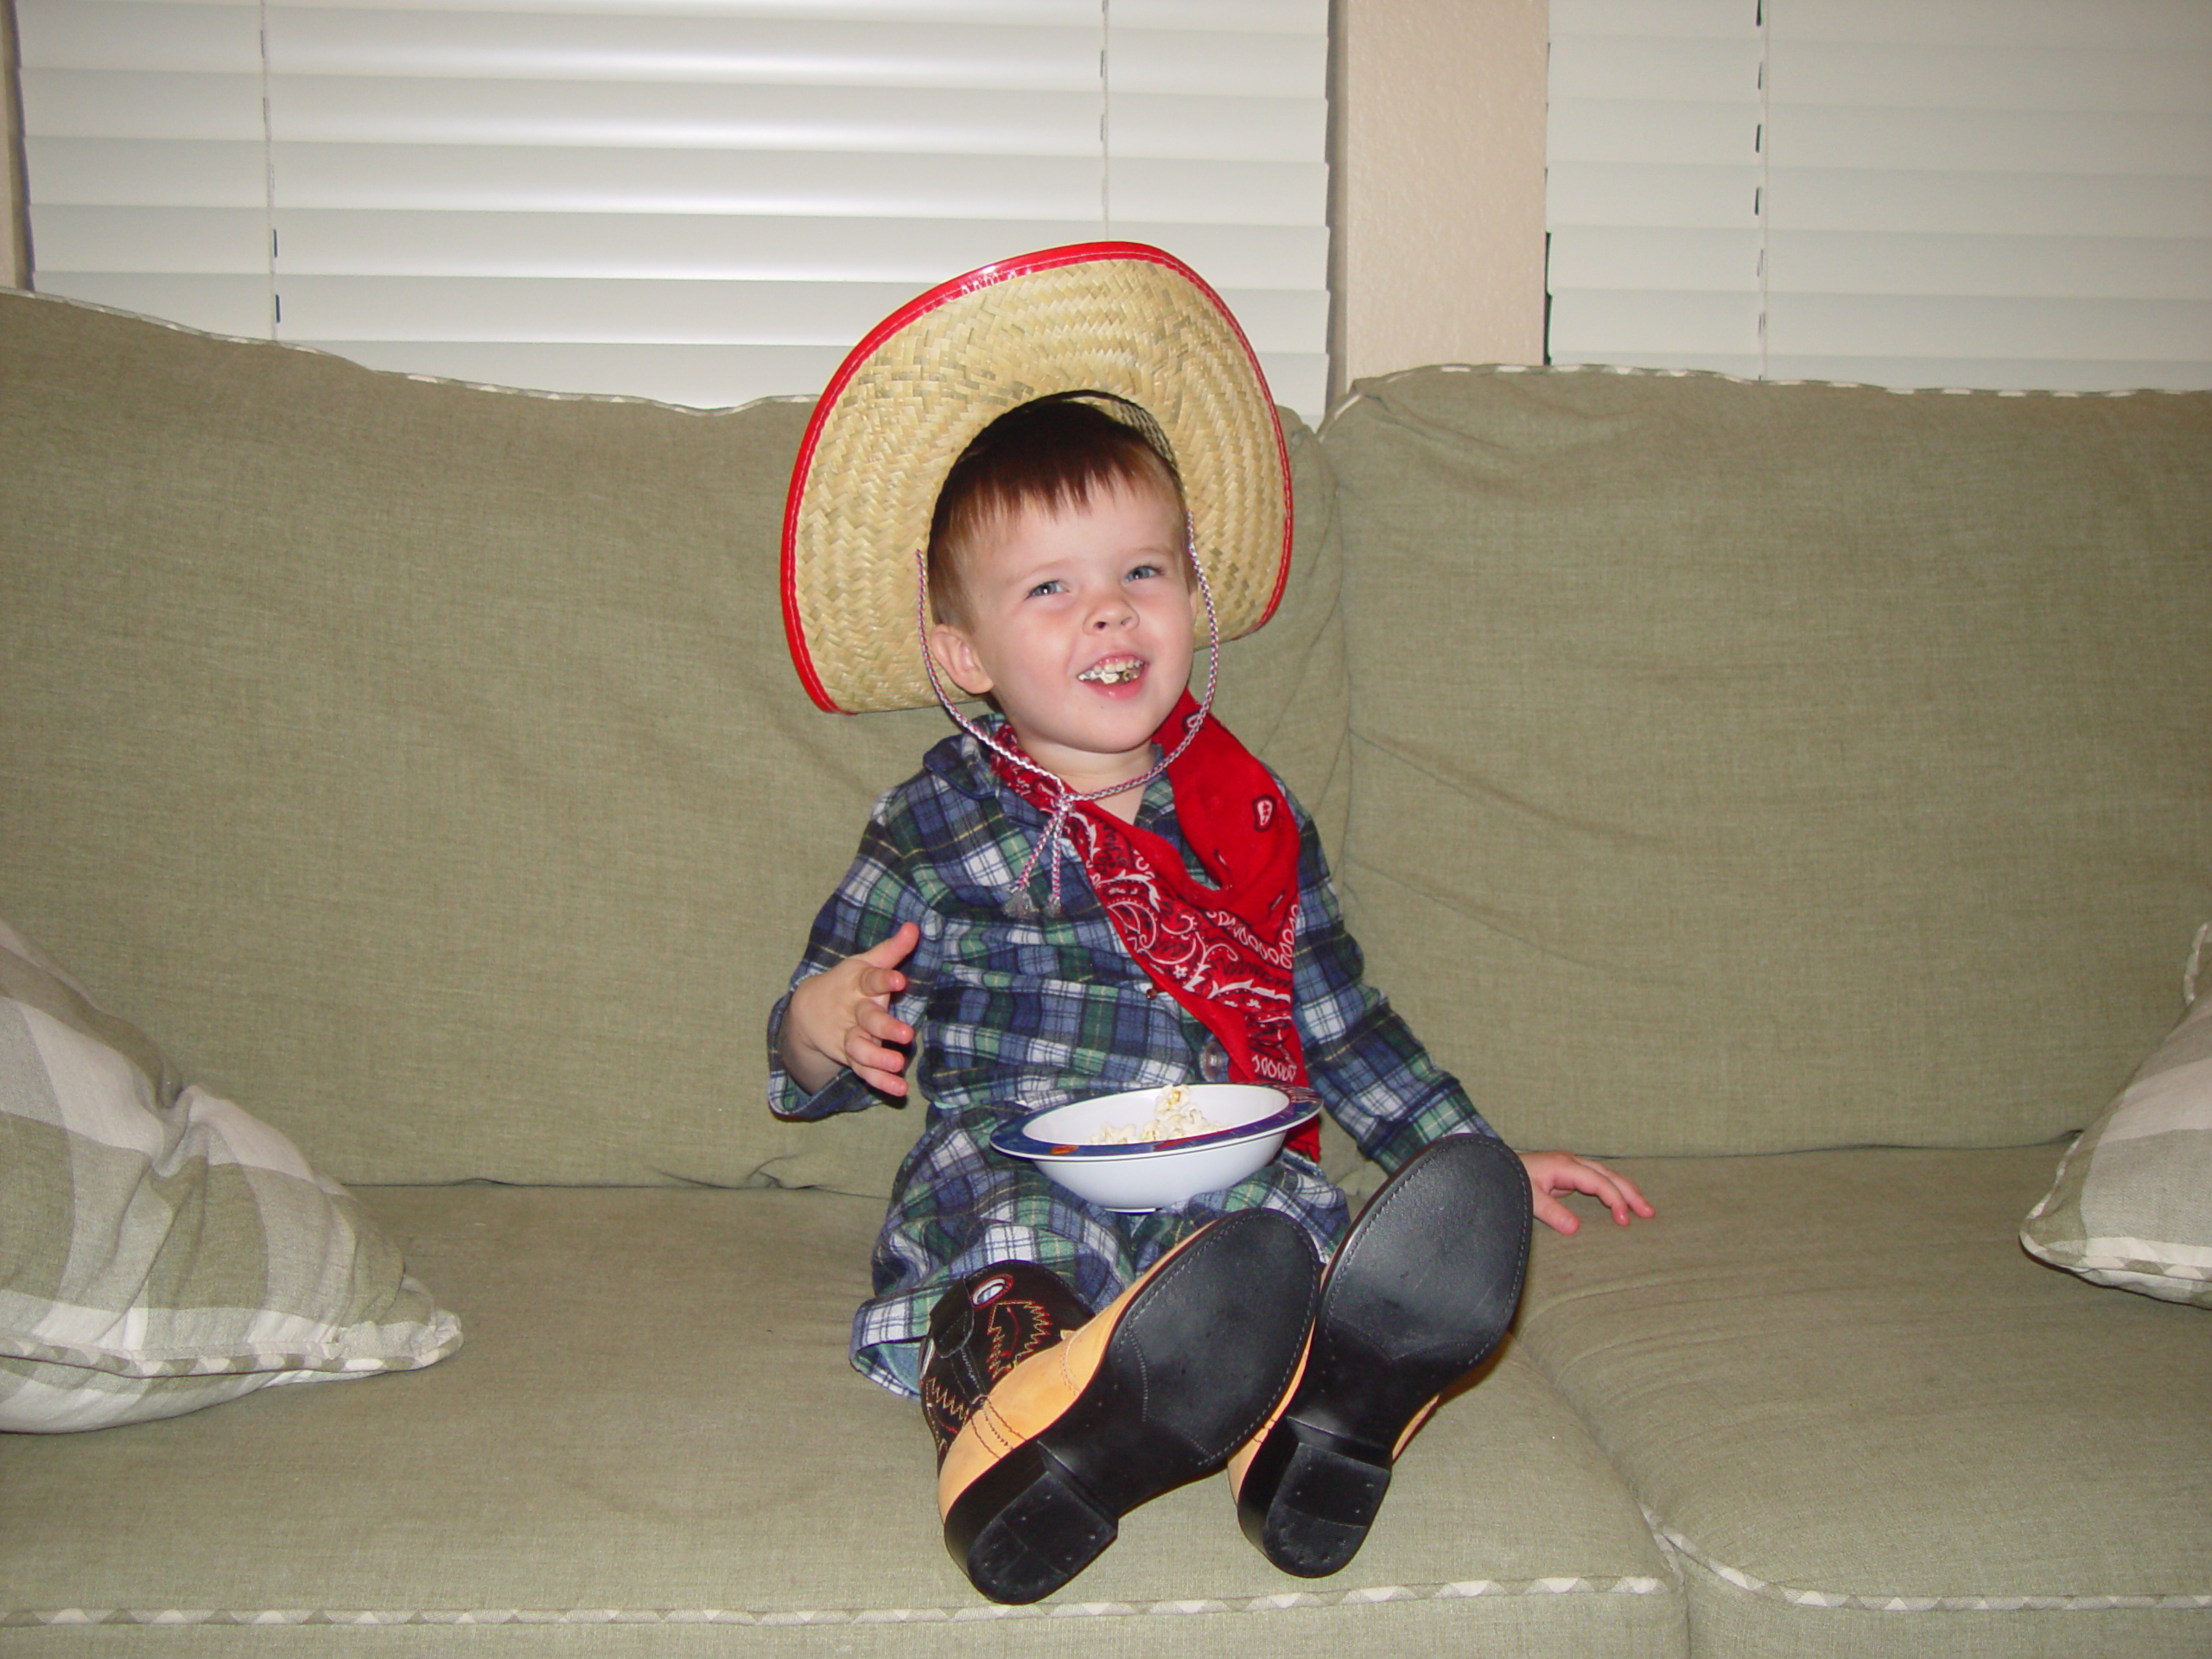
1867 1423
1747 767
160 1250
2132 1203
654 1423
457 729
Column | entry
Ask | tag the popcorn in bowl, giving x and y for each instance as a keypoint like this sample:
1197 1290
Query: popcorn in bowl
1173 1119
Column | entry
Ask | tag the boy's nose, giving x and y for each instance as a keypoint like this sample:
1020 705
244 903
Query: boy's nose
1113 610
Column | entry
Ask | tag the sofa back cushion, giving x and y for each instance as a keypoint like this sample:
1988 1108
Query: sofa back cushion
425 761
1746 766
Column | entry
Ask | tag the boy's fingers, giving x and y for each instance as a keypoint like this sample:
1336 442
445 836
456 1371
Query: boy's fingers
1619 1194
881 982
876 1063
1554 1214
879 1023
889 953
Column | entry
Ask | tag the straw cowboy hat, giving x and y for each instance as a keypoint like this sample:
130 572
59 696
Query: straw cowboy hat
1117 318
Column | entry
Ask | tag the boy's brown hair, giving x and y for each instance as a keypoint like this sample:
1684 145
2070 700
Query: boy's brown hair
1054 453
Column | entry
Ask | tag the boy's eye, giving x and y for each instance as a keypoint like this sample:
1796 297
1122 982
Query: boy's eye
1143 571
1044 587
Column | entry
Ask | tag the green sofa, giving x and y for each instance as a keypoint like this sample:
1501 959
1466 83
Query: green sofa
1801 793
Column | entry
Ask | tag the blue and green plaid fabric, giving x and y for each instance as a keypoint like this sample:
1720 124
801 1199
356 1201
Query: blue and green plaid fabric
1017 1013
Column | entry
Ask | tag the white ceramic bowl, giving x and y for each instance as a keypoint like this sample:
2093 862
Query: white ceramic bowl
1149 1175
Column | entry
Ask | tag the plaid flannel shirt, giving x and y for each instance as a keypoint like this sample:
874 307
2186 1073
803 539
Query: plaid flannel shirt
1012 1014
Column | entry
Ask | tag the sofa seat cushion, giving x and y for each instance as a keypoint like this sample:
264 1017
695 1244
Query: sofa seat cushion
654 1422
1868 1423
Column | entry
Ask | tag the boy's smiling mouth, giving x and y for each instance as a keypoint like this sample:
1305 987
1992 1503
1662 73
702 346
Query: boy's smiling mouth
1113 671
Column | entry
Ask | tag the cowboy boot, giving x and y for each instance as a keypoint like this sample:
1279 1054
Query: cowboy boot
1422 1289
1156 1390
982 1328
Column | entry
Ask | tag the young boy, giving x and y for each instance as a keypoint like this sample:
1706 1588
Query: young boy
1094 889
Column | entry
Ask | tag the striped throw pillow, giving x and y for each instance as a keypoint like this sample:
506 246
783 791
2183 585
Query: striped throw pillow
160 1249
2132 1205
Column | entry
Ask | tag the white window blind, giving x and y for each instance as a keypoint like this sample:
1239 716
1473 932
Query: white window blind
699 200
2009 193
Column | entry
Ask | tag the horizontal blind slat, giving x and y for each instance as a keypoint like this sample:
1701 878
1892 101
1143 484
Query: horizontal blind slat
1697 70
733 248
1991 76
629 114
1220 193
1069 12
220 304
546 178
1627 193
122 34
1663 258
345 109
477 45
1650 131
1999 203
1677 19
128 104
186 241
582 310
2077 267
1596 326
1989 327
1242 65
127 172
1994 141
1894 23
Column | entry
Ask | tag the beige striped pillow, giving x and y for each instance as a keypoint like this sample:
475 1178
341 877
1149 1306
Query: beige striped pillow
2132 1205
160 1249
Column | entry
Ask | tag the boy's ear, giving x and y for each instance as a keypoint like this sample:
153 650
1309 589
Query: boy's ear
956 658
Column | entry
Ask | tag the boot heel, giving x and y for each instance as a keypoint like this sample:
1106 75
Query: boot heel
1026 1527
1309 1498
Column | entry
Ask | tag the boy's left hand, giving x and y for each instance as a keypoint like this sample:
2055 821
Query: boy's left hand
1551 1173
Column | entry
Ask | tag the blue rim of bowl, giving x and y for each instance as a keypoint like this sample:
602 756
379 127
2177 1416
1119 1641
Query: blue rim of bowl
1014 1139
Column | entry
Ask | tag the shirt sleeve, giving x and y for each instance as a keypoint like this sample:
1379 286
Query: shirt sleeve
877 895
1368 1068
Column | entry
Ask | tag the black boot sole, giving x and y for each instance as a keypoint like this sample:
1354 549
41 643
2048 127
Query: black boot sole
1198 1357
1422 1288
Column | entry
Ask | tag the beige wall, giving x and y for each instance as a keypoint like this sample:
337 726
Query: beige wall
1439 183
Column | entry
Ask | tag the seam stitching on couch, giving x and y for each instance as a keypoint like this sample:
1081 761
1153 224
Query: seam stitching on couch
1286 1601
1677 1545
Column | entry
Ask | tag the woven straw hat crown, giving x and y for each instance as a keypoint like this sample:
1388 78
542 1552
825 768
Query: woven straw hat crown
1117 318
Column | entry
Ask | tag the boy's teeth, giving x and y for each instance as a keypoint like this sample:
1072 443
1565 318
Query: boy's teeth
1113 673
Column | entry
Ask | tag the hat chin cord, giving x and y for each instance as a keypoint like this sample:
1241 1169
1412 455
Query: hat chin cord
1065 799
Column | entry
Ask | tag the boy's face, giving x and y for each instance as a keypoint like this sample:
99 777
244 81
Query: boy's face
1081 621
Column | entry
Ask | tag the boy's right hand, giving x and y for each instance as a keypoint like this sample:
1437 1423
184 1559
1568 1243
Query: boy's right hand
841 1017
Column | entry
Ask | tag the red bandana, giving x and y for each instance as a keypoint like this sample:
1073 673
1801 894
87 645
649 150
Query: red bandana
1223 951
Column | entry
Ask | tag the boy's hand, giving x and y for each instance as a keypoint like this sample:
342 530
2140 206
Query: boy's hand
841 1017
1551 1173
